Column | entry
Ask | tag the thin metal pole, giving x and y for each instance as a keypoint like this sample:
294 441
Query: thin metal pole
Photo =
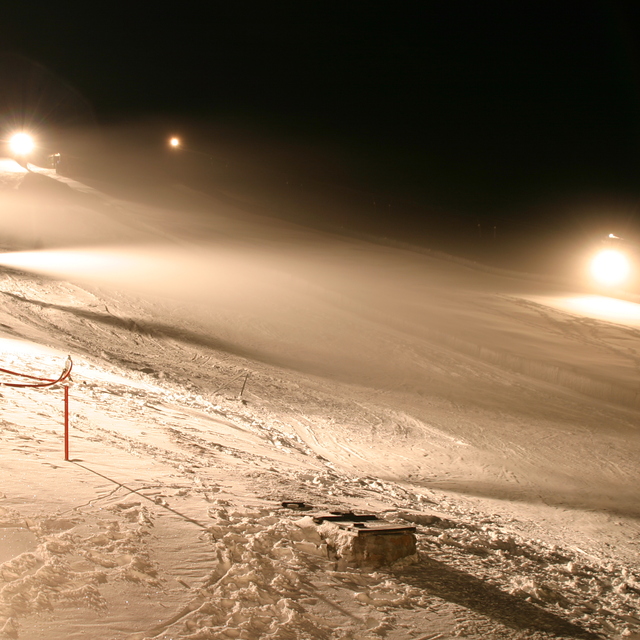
66 422
244 384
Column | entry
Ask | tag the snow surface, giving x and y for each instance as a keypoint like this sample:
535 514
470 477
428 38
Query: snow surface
225 362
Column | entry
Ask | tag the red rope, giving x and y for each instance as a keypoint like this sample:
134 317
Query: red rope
47 382
24 375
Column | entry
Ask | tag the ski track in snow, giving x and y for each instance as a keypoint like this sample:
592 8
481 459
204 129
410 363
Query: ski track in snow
167 522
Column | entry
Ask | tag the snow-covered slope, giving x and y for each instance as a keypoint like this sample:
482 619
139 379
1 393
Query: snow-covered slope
468 402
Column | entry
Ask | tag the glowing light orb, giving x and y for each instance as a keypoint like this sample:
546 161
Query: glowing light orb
174 142
21 144
610 267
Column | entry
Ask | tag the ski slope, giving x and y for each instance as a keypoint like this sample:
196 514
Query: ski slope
497 411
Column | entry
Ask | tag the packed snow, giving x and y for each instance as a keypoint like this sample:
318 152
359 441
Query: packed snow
235 374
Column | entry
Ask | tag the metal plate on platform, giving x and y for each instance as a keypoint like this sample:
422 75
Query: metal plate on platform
343 516
376 527
362 524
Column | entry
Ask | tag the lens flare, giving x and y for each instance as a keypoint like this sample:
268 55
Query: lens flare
21 144
610 267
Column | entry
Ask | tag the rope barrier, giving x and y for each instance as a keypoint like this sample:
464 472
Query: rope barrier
44 383
23 375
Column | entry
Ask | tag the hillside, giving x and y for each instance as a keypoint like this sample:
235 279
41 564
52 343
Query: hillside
225 362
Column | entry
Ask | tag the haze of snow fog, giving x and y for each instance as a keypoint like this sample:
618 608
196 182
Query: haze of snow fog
236 372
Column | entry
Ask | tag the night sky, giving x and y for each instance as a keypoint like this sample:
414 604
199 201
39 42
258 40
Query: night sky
496 110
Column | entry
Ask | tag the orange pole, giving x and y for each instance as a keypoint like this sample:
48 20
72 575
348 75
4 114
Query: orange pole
66 422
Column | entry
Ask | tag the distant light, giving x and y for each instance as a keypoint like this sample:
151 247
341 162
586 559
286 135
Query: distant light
174 142
9 165
599 307
21 144
62 261
606 308
614 237
610 267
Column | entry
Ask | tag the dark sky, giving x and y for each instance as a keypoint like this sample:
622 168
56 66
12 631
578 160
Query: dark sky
487 106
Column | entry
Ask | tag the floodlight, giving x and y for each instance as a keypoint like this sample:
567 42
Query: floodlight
21 144
610 267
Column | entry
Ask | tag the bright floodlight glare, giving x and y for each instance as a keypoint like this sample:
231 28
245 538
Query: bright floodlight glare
21 144
607 308
174 142
610 267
